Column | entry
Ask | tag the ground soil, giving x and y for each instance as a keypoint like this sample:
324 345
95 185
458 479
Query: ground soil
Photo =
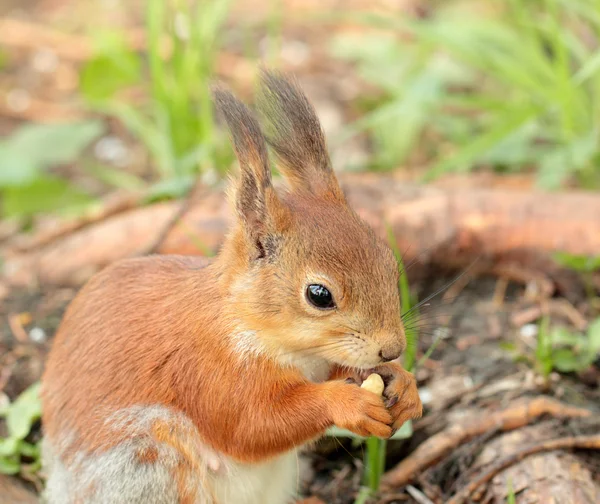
471 368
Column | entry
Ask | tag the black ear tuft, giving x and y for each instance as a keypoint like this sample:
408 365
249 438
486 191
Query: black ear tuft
293 130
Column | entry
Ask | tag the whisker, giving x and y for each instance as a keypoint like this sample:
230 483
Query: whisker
426 316
425 322
439 291
415 259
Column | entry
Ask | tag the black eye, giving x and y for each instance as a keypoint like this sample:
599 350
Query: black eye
319 297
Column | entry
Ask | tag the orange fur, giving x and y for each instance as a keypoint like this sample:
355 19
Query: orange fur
234 345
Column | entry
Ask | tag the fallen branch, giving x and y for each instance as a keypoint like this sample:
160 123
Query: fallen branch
440 445
41 111
448 226
54 229
194 194
417 495
81 254
581 442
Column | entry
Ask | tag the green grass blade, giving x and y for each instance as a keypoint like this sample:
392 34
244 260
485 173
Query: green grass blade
469 154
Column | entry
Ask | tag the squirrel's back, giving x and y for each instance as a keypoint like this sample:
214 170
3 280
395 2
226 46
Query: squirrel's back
126 328
134 340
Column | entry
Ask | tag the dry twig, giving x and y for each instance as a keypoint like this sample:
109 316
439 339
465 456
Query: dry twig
581 442
513 417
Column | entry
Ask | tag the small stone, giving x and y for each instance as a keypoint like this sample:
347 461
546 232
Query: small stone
18 100
425 395
37 335
112 150
529 331
295 52
44 60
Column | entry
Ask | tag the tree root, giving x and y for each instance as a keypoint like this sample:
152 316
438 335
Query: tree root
583 442
513 417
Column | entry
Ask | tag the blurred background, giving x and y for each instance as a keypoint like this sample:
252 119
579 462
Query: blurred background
461 130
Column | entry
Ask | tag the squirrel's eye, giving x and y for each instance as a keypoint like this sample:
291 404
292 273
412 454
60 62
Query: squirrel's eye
320 297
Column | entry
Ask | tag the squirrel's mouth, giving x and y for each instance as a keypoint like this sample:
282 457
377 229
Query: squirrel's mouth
362 363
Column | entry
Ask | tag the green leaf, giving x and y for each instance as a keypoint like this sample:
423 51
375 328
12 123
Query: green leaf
584 264
594 337
9 466
508 346
4 59
562 336
115 67
405 432
24 412
559 163
45 194
543 349
566 361
115 177
148 131
34 147
9 446
474 150
363 496
589 70
29 450
170 189
532 80
16 167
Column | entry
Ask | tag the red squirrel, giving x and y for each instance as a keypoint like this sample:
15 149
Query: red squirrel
184 380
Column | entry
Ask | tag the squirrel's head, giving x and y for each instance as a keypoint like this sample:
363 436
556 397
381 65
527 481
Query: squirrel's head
305 275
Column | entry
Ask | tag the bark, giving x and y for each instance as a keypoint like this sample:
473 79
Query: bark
448 225
533 471
440 445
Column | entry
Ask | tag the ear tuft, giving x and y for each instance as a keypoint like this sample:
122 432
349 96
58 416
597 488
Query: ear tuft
248 140
255 199
294 131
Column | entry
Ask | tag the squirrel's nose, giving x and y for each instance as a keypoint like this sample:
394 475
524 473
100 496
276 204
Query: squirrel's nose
392 347
390 354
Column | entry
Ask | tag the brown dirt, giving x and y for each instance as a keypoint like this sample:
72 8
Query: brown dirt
469 369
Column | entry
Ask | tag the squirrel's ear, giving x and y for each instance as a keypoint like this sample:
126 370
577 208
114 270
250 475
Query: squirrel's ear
258 208
294 131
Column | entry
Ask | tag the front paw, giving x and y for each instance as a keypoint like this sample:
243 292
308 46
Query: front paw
359 411
401 393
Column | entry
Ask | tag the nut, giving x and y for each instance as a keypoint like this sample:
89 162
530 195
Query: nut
374 383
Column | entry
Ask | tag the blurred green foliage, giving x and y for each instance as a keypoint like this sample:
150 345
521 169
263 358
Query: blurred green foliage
512 90
175 120
566 351
582 264
17 454
586 266
3 59
26 185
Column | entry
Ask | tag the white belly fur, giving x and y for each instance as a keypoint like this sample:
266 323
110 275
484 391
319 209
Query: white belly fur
116 477
272 482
